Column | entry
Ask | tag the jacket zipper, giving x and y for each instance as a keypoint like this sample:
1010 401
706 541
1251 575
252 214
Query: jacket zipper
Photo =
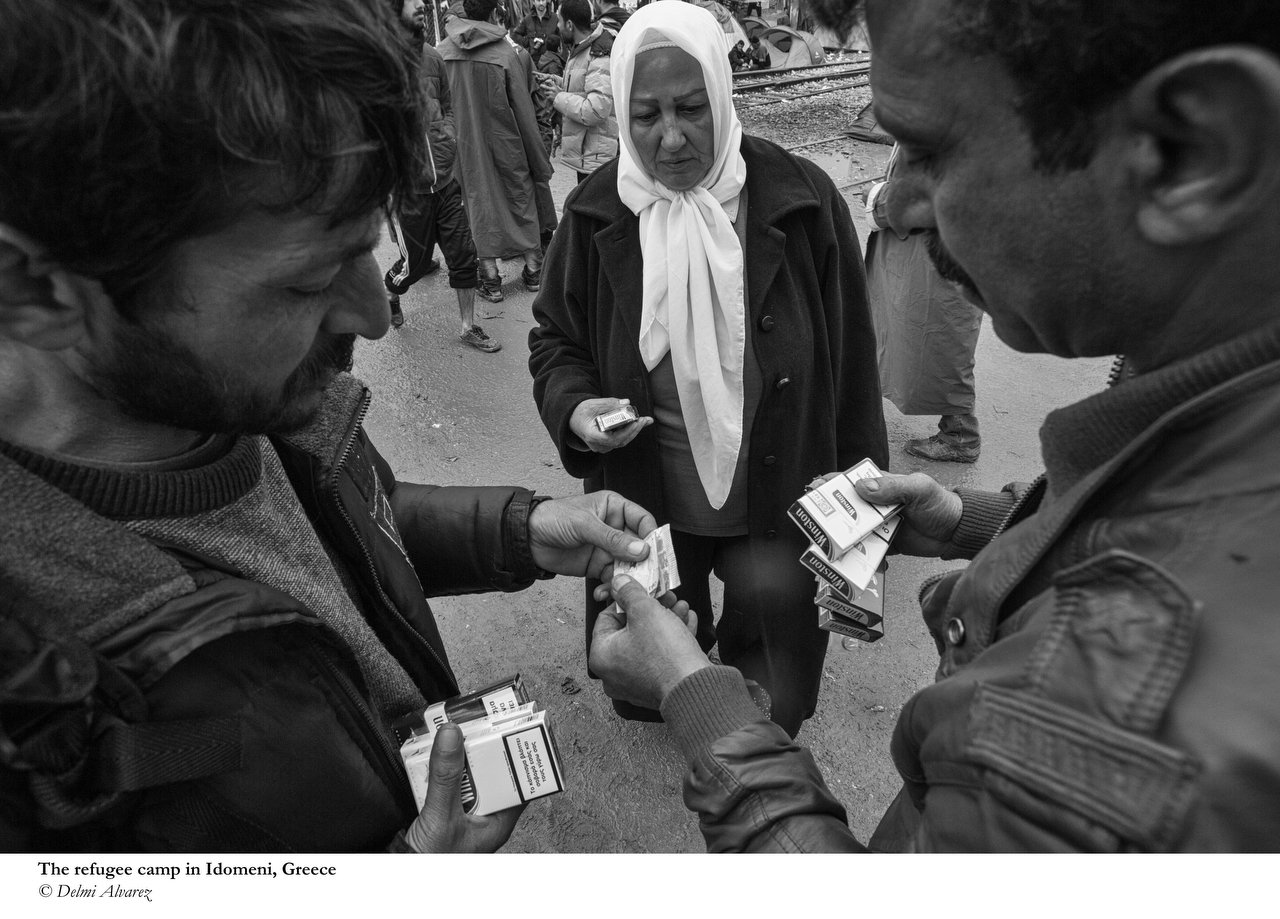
332 488
1020 503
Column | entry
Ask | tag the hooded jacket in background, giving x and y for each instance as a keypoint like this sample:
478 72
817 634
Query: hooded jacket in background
589 136
500 152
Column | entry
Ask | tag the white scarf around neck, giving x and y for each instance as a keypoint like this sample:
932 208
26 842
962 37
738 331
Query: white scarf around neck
693 301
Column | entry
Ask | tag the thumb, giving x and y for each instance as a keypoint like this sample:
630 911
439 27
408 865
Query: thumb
618 543
448 762
628 593
888 489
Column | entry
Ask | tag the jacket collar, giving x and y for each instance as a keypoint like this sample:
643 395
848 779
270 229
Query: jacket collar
1081 437
776 186
588 41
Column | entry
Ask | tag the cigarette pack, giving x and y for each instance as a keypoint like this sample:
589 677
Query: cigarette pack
656 572
865 609
834 622
506 695
853 571
834 517
620 416
510 761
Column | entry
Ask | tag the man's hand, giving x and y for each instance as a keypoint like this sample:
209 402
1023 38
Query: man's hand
443 826
582 535
640 649
583 423
930 513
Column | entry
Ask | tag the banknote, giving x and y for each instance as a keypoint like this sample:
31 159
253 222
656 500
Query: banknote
656 572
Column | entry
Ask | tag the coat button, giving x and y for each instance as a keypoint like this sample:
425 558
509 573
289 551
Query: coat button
783 383
766 323
770 460
770 534
955 632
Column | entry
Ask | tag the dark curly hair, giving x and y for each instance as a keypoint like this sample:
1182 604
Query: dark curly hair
1071 58
127 126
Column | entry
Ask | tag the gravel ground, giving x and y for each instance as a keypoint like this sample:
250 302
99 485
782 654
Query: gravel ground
802 121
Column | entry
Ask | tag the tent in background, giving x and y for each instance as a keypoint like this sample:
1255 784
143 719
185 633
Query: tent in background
791 48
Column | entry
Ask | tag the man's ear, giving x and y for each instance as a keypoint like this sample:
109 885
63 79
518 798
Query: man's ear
42 304
1208 153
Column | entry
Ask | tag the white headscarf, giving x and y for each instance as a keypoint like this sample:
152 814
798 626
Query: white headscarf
693 290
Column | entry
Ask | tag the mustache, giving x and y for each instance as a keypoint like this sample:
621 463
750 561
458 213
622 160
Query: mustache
947 267
329 354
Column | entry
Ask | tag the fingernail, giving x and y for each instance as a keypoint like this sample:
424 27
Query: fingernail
871 485
636 546
448 738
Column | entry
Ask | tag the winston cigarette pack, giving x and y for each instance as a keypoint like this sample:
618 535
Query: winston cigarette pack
854 570
834 517
862 617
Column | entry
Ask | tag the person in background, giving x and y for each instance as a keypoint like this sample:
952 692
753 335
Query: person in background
501 159
926 332
434 211
589 133
738 57
540 23
1110 659
759 54
714 282
613 16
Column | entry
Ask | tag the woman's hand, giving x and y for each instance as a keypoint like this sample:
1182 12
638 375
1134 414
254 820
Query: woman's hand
583 424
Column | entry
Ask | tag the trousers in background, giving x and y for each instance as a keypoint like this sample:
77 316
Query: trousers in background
424 221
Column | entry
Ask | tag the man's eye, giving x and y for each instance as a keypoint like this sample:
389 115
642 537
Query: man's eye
308 293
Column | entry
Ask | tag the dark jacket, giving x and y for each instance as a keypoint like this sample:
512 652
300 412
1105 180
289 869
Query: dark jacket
442 141
223 716
1110 662
531 27
820 408
500 151
613 19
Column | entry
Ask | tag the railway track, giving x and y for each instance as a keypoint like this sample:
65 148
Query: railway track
777 86
825 144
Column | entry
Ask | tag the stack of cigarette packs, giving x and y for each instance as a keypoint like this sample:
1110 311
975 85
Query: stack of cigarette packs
511 752
850 538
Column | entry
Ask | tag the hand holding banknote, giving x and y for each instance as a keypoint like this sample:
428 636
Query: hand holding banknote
640 648
583 534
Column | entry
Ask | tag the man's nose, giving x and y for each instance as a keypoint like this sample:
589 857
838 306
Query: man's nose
910 208
360 307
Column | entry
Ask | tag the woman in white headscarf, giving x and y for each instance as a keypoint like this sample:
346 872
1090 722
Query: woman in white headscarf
714 282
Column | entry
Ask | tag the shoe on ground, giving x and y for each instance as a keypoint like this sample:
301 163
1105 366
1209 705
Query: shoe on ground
476 338
532 279
397 317
490 289
940 451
